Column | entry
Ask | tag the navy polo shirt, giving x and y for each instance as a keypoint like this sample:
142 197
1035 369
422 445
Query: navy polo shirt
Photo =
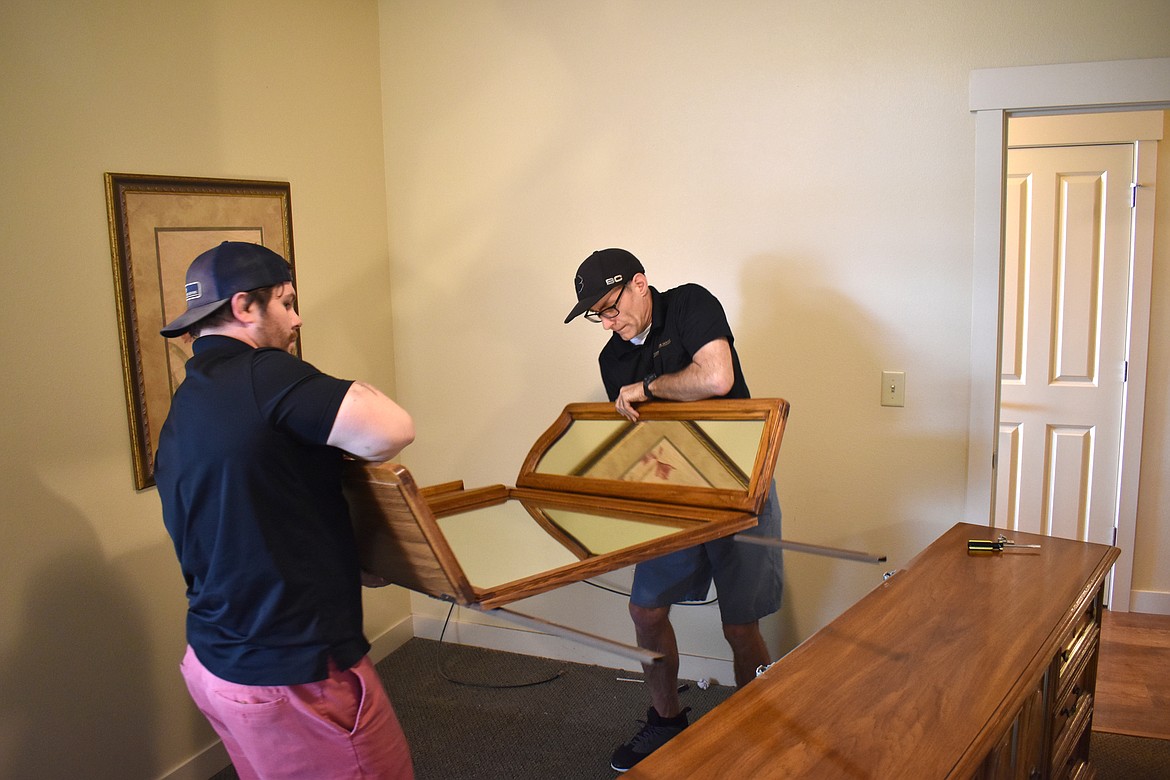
684 319
251 497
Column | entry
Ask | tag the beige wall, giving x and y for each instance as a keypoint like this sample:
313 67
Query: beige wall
91 629
811 163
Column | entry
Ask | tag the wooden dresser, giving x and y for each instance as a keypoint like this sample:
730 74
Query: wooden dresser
958 666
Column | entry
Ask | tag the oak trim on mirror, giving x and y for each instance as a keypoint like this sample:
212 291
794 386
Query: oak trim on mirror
400 539
772 412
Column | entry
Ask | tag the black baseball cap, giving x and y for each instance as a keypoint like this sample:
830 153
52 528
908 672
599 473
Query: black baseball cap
601 272
219 273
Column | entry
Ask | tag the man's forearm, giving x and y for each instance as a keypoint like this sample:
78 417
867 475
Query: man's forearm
693 383
709 375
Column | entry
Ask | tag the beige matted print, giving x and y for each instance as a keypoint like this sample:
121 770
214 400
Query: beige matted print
158 225
664 452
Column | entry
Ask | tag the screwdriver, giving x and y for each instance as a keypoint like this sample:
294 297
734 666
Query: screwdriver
988 546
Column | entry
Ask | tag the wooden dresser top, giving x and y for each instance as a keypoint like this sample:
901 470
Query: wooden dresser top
917 679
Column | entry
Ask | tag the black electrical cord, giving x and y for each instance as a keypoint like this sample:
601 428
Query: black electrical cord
449 678
608 589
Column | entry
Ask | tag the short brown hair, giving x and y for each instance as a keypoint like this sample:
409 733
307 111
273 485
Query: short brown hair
224 313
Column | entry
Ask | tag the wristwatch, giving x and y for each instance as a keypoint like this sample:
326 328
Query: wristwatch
646 386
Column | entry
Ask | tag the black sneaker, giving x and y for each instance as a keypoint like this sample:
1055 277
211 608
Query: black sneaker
656 733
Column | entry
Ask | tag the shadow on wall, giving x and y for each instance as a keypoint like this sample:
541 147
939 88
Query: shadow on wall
802 340
75 670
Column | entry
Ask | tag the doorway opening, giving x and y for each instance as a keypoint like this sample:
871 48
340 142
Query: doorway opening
997 96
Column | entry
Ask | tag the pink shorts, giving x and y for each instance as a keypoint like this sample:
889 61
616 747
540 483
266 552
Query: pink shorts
341 727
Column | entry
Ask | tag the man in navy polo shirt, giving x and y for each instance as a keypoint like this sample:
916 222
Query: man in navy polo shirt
676 345
248 468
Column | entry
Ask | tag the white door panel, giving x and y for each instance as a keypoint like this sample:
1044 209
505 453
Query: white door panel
1066 292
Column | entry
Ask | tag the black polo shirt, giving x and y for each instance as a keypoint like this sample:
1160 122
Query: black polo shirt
684 319
251 496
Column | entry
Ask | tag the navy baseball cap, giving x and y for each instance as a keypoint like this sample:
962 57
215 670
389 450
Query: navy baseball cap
219 273
601 272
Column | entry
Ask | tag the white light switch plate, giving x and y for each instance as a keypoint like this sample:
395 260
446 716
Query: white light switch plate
893 388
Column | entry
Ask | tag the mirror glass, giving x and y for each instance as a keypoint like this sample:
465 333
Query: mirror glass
503 543
690 453
591 534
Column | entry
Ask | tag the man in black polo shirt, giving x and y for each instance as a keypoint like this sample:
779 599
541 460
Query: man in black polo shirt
676 345
248 469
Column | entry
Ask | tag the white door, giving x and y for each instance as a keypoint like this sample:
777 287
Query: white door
1066 308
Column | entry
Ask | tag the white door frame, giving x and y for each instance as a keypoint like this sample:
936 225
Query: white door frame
994 94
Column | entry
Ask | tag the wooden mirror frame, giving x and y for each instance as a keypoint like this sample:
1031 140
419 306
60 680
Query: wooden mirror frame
771 412
396 523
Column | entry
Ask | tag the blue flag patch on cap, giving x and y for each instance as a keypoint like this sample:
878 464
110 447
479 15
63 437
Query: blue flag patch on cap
194 290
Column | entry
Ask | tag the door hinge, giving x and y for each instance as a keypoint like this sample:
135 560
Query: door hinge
1133 188
1125 372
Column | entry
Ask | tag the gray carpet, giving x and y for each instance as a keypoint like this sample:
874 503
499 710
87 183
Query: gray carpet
564 728
1120 757
568 722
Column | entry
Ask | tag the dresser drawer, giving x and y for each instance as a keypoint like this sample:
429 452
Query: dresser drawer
1069 726
1078 672
1069 710
1078 648
1076 769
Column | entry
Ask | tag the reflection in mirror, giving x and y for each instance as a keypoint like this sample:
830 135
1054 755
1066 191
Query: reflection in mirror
691 453
505 542
501 543
588 534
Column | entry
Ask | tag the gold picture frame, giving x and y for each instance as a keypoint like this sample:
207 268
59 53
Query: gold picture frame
158 225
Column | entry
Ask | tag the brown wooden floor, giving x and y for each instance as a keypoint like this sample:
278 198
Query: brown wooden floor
1133 675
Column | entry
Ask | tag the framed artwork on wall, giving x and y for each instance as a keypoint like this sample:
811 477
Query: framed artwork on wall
158 225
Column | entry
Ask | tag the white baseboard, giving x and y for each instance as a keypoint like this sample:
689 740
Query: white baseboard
202 765
390 640
214 757
510 638
1151 602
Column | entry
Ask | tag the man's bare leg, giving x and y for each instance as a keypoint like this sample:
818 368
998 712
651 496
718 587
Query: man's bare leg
748 650
655 632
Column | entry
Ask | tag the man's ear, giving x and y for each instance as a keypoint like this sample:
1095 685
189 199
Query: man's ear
640 282
244 307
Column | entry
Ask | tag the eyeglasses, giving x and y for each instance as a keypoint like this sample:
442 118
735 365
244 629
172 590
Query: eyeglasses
609 312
